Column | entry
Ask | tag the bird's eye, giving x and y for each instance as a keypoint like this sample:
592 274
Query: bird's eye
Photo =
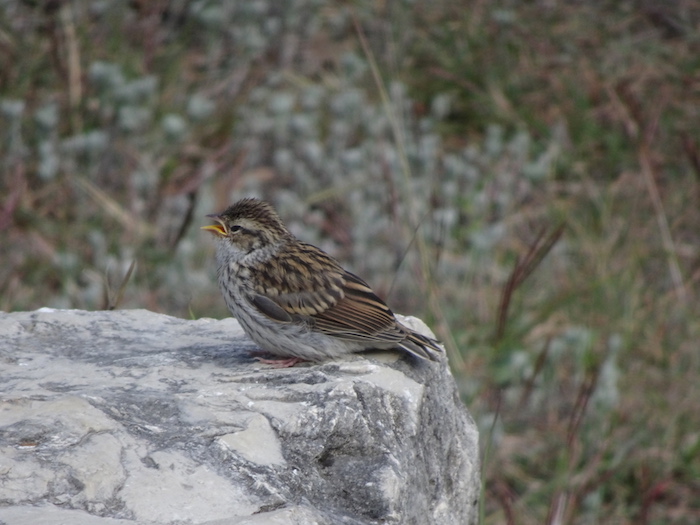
235 228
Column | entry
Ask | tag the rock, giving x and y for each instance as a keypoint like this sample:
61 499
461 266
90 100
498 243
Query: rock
133 415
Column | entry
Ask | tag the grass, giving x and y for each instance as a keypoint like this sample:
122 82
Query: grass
586 379
428 146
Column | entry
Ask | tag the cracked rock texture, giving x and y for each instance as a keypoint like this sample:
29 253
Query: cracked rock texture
137 416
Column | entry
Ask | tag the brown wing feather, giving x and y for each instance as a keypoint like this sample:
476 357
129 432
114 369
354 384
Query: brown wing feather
360 315
335 301
300 287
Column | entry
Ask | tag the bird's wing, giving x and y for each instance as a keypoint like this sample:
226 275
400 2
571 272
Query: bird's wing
360 316
325 296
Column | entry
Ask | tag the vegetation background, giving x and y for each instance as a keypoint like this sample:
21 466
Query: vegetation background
525 176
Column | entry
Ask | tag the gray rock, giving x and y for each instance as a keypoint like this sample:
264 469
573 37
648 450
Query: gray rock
133 415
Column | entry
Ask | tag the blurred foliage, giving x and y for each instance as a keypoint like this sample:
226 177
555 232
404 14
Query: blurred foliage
429 146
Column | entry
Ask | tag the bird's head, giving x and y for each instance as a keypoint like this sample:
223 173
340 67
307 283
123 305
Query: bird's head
248 225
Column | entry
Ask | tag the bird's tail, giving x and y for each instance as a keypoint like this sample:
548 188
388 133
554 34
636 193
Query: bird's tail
422 346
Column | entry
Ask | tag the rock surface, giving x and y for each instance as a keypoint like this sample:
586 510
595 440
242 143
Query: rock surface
133 415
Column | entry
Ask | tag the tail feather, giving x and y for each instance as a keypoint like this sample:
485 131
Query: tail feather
422 346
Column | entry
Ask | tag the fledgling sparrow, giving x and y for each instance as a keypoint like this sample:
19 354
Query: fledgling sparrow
294 300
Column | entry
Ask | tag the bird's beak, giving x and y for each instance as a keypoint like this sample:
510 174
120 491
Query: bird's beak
218 229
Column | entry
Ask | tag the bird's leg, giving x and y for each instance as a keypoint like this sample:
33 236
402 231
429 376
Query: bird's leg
281 363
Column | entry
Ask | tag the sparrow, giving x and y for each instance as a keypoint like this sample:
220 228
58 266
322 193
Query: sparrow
296 301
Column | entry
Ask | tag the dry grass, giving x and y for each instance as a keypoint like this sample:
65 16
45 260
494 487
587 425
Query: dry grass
593 382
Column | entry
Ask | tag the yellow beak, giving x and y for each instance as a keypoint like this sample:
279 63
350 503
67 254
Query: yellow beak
218 229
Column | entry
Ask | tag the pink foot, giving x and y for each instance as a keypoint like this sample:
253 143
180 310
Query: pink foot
281 363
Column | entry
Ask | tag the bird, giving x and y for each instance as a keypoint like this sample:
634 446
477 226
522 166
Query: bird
294 300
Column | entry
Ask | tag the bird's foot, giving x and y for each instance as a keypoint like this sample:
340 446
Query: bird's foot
281 363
